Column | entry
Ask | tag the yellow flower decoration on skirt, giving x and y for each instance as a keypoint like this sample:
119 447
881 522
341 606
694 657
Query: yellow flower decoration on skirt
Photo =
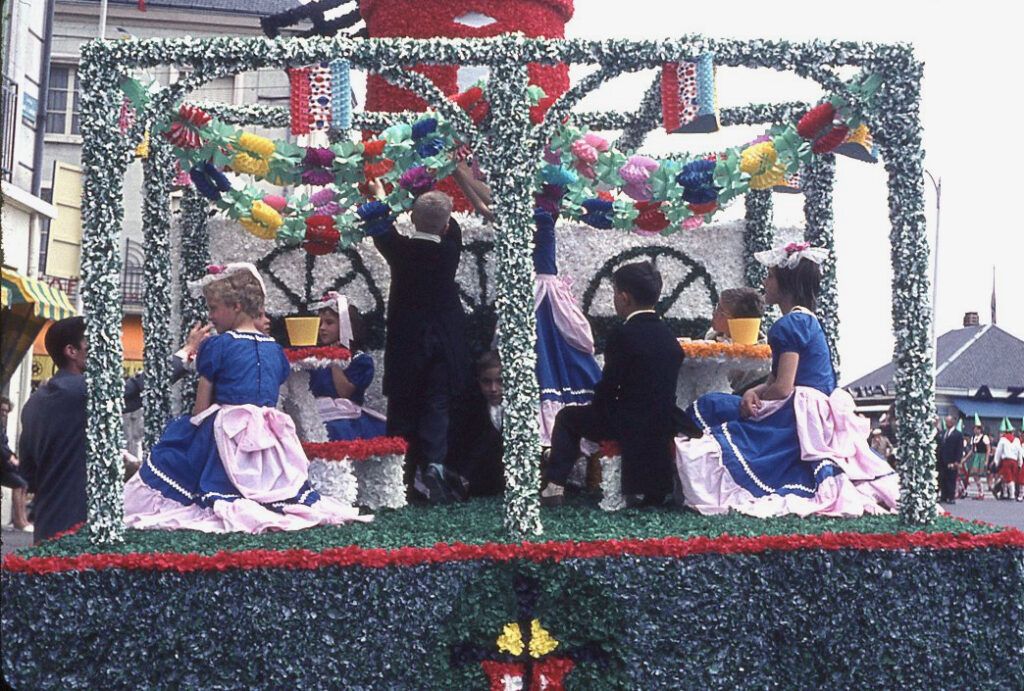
761 162
541 642
263 222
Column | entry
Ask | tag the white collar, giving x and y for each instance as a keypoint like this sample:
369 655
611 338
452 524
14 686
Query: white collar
249 335
417 235
633 314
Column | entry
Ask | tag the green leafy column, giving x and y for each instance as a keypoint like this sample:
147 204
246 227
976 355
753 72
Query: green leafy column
511 158
759 235
194 255
818 180
898 132
158 171
105 157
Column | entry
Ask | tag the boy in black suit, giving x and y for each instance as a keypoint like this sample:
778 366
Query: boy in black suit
425 356
634 403
475 443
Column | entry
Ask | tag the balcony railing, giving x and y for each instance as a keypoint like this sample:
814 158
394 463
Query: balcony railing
10 114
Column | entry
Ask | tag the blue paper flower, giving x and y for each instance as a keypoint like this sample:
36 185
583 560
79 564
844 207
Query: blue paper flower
373 210
422 128
697 173
217 177
430 147
700 195
599 213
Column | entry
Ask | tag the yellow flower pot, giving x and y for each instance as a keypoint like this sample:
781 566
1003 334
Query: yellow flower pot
302 331
744 331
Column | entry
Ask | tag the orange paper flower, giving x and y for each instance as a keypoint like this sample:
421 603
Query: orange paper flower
710 349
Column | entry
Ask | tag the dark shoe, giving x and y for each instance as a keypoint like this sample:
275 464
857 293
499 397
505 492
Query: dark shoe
552 495
439 491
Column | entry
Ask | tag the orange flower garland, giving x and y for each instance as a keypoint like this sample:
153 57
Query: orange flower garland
710 349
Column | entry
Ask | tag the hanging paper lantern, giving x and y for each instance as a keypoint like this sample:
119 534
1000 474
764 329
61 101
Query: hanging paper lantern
321 235
341 96
859 145
689 96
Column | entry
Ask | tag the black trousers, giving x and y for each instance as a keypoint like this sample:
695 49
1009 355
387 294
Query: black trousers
947 484
420 415
572 424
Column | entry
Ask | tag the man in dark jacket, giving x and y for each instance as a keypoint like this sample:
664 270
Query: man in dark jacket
425 358
634 403
951 453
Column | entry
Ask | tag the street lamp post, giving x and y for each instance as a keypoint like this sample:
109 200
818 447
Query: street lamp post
937 184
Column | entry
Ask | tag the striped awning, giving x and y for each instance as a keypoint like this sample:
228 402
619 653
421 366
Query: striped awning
47 302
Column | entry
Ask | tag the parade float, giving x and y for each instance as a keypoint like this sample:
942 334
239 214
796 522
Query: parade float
497 593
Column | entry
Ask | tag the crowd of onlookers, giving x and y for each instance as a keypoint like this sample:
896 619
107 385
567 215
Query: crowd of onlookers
979 462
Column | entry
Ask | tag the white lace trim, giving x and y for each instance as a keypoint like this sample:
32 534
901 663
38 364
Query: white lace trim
249 336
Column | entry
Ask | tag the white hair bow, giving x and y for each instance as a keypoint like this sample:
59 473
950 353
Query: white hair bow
335 301
788 256
217 272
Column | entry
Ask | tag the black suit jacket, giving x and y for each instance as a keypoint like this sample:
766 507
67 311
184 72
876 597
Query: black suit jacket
475 446
636 397
423 299
951 448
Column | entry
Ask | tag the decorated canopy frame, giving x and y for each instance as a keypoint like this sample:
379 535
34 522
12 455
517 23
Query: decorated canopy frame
515 144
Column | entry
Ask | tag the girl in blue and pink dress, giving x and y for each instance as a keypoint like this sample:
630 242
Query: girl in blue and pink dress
235 465
792 445
340 391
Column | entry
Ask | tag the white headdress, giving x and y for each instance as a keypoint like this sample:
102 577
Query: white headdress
217 272
788 256
335 301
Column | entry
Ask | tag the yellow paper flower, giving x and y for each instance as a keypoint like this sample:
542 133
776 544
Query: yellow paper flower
267 215
142 150
511 640
761 162
541 642
258 229
244 163
860 135
261 146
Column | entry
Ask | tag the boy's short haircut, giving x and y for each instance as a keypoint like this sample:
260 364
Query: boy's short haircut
489 360
742 303
241 288
432 211
70 331
641 280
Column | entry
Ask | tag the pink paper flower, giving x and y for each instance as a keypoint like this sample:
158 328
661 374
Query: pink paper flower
636 174
692 222
321 197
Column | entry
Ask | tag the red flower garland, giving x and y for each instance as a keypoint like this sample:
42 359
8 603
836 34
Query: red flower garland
815 120
651 218
372 171
373 148
321 235
668 547
319 352
355 450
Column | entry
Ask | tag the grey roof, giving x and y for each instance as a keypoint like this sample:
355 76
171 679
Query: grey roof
966 359
259 8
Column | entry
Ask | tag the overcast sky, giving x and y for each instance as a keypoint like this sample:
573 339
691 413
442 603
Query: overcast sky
969 124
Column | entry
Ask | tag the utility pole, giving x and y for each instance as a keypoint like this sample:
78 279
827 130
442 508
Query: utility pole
937 184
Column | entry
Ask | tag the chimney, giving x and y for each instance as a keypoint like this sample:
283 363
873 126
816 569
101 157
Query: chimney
971 319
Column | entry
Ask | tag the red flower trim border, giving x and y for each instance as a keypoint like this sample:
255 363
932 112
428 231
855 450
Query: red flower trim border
671 547
319 352
356 450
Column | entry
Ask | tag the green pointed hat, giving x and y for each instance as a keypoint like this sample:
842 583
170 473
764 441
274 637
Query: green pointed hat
977 420
1005 426
959 424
